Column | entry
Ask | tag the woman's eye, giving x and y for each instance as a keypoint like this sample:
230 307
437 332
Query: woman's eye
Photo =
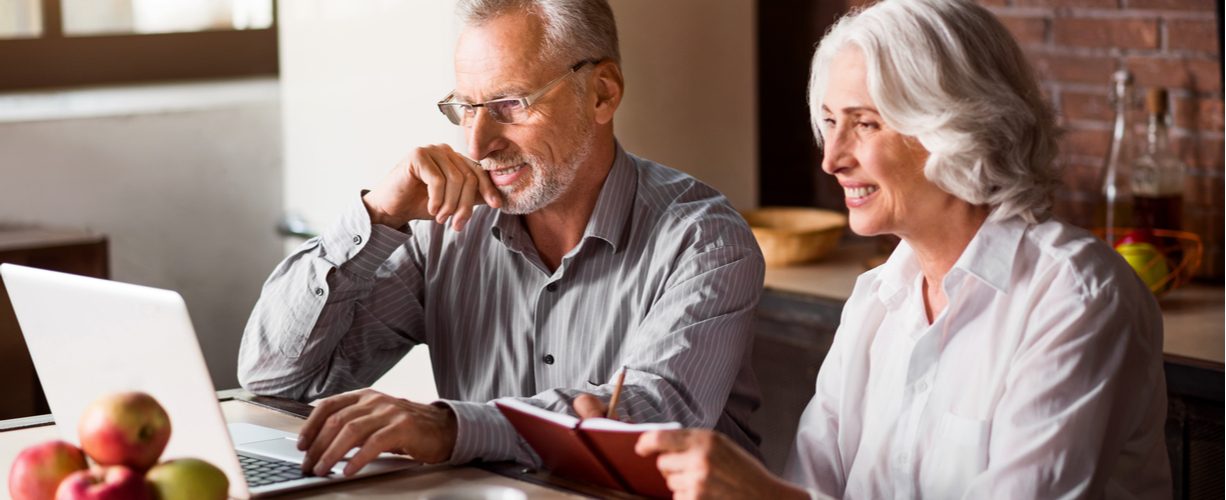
867 125
828 122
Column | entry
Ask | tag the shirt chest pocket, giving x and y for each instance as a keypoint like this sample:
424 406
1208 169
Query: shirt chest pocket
957 453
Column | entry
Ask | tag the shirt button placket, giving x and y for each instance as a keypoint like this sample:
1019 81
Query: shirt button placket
544 303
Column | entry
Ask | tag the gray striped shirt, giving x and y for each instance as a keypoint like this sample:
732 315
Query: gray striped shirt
664 281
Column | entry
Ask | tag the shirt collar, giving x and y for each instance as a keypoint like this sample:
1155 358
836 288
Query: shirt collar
896 275
989 257
610 218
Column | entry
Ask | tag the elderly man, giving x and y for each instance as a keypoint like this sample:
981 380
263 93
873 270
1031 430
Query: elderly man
584 259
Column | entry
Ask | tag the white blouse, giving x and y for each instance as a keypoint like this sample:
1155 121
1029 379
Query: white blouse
1042 378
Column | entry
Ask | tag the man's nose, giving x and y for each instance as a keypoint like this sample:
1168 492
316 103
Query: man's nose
484 134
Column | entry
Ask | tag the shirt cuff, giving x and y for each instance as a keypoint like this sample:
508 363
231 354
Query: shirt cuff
481 433
358 245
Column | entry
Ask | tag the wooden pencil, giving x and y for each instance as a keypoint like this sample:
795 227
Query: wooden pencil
617 392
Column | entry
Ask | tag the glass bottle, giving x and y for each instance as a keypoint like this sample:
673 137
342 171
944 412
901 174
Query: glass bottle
1116 205
1157 175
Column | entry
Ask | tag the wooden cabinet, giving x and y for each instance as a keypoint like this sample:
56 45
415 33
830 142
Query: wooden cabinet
792 334
77 252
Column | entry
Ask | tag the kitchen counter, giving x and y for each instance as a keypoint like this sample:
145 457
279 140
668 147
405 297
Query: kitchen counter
1194 316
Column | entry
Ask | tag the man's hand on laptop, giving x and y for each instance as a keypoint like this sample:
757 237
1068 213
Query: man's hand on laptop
432 182
374 422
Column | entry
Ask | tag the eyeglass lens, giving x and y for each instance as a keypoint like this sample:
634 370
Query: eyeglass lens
505 112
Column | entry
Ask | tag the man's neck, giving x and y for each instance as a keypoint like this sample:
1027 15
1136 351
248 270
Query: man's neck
558 228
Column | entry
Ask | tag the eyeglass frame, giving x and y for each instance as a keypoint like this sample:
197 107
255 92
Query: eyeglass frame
523 101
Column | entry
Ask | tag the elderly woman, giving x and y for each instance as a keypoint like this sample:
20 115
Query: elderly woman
998 353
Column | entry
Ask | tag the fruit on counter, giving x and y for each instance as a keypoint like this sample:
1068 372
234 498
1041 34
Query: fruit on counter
115 482
1138 249
188 479
127 428
39 469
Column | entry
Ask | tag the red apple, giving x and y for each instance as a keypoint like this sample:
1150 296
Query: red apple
104 483
128 428
188 479
1136 236
38 470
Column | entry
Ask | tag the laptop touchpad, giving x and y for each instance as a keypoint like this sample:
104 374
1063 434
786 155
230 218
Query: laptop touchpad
278 448
282 449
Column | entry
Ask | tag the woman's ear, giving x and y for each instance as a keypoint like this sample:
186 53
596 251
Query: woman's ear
609 86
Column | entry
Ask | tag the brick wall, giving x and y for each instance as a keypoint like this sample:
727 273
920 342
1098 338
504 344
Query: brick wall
1075 45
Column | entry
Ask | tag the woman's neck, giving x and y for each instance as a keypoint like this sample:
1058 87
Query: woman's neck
938 246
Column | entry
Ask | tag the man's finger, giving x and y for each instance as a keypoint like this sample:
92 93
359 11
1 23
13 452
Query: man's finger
444 159
436 183
351 434
588 406
489 193
468 191
322 411
328 432
378 442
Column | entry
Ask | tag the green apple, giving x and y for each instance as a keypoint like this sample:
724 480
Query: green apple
188 479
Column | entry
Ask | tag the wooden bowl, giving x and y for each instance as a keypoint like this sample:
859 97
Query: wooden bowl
792 235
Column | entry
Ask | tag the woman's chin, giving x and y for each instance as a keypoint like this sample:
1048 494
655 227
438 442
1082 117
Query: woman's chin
863 227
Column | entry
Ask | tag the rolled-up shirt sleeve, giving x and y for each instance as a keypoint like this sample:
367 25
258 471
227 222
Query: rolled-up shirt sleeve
337 313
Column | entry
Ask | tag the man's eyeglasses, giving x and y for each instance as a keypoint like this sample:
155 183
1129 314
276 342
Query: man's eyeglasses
507 110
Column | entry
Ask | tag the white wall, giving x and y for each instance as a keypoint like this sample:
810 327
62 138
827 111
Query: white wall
359 82
184 180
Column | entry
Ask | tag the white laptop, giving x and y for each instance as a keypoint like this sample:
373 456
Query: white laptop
89 337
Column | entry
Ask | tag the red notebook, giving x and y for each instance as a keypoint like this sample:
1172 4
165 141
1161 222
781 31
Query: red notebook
594 450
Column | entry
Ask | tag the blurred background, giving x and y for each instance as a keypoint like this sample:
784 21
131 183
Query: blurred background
189 144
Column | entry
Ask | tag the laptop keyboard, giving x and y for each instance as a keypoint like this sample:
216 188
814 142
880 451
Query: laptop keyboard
261 471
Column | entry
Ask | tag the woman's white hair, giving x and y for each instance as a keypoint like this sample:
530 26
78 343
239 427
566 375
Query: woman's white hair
575 30
948 73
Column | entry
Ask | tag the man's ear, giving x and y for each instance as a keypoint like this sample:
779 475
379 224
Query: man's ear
609 86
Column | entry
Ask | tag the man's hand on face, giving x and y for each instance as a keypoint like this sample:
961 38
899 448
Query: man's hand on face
374 422
433 182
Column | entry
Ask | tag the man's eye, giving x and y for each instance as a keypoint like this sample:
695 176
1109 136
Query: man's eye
507 106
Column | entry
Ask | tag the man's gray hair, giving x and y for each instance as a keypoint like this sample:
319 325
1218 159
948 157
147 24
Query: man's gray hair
948 73
575 30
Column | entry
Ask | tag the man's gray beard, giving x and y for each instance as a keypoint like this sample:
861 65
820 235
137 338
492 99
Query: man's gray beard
547 184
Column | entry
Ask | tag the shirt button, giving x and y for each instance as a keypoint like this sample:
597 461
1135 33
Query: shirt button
552 287
903 459
357 240
921 387
319 292
548 359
